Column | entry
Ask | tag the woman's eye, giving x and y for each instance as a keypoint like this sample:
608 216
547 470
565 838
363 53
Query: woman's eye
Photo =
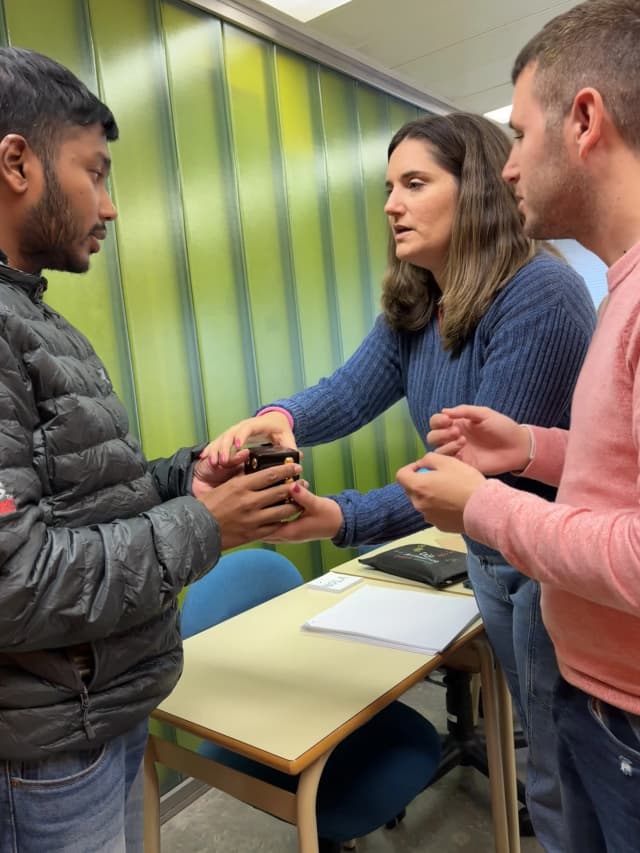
415 185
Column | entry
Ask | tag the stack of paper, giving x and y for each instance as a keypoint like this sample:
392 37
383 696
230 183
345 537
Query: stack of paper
415 621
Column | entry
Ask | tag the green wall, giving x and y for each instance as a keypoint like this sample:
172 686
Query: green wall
246 259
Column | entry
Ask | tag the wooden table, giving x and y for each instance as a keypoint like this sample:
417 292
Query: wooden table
263 688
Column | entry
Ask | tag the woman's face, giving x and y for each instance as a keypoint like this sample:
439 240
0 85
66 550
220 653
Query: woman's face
421 205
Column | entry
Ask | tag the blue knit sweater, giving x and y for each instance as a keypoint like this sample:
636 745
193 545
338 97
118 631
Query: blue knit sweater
522 359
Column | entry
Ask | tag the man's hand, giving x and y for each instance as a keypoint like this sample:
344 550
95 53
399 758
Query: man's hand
321 518
208 476
491 442
441 493
244 507
272 426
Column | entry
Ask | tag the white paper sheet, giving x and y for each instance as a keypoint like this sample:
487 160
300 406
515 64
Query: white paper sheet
422 622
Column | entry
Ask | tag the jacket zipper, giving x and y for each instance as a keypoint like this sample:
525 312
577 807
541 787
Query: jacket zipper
86 724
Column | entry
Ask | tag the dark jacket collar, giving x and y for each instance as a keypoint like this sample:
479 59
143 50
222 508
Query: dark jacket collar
33 285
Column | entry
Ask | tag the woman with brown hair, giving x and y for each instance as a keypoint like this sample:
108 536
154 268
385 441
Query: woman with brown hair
473 311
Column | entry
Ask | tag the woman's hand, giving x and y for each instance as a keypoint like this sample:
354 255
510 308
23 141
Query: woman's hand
272 426
321 517
207 476
487 440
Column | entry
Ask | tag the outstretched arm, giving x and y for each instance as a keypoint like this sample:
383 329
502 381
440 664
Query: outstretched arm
274 427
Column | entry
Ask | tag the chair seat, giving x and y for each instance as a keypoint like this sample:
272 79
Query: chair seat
369 778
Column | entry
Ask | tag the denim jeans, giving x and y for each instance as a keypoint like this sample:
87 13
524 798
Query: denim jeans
509 603
82 802
599 758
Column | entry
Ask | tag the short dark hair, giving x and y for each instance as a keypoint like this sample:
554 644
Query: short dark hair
41 100
596 43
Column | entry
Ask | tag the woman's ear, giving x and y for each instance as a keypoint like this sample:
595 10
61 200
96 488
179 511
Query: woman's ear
16 158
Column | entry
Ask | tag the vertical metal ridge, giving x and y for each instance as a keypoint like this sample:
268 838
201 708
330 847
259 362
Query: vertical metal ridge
114 266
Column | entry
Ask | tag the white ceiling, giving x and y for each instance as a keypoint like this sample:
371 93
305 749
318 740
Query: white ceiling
459 51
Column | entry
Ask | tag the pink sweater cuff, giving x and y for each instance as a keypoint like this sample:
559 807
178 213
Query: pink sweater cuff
548 460
282 411
478 513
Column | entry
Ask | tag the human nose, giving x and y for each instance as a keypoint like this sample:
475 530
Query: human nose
511 172
394 204
108 210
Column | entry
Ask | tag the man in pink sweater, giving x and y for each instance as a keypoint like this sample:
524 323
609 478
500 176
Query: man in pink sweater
575 167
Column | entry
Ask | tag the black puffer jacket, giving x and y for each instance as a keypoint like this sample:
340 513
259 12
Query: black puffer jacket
95 543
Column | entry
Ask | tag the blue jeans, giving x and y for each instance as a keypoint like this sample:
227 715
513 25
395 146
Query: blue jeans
599 757
82 802
509 604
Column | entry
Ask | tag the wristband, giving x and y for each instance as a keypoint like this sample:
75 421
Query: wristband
532 444
282 411
532 451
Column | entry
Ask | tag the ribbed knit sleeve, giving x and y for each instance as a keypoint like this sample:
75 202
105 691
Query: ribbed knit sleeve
367 384
376 516
548 461
522 359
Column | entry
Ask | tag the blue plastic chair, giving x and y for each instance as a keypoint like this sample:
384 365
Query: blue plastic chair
374 773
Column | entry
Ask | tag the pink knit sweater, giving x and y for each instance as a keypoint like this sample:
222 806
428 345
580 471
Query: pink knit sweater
585 547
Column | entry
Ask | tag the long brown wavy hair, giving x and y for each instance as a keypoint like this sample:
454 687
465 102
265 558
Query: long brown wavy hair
488 245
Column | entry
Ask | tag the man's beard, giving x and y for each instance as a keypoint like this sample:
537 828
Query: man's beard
49 231
559 205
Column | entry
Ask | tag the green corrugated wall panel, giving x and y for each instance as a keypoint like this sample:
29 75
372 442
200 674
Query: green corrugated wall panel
57 28
305 182
247 258
373 127
255 146
257 150
92 302
346 207
212 223
400 112
396 435
150 228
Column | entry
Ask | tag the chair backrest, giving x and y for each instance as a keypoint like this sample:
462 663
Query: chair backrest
238 581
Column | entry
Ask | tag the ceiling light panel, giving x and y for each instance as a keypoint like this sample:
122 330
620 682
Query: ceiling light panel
501 115
305 10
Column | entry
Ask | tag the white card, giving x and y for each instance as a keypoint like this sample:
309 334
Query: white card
334 582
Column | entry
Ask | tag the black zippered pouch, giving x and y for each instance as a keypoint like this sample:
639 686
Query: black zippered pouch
437 567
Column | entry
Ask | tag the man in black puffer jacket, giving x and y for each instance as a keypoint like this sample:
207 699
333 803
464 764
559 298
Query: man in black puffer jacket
95 543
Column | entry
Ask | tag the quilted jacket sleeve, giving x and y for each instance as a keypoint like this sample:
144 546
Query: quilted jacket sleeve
64 585
173 476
